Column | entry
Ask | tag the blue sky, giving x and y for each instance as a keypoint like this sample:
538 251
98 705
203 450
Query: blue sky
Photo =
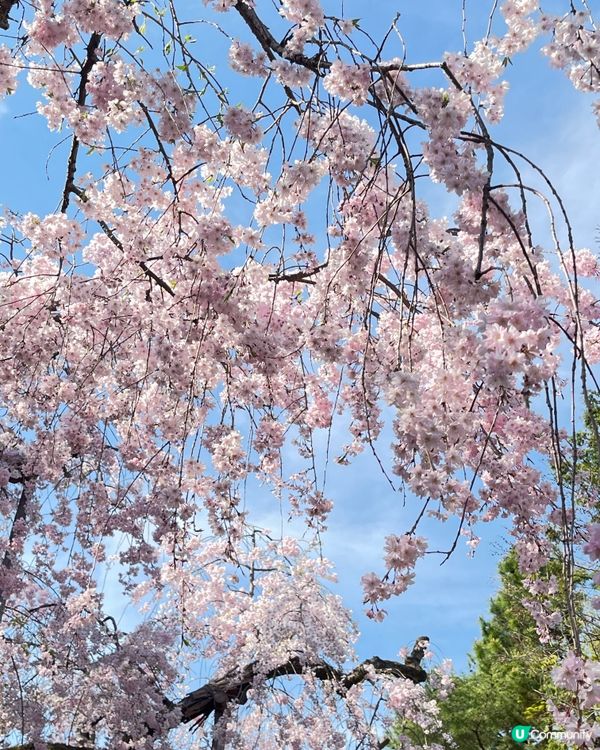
546 119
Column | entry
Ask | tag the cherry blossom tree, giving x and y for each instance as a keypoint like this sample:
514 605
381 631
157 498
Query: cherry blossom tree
232 265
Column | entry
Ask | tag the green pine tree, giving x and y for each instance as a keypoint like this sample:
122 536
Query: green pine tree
510 678
508 681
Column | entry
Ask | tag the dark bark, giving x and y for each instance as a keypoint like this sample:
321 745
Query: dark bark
91 58
5 8
20 515
232 688
271 46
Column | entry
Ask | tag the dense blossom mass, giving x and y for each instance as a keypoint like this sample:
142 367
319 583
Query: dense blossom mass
237 258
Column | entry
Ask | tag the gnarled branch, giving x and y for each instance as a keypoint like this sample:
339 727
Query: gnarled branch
233 686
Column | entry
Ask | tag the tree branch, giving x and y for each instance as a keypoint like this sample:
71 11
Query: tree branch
91 58
270 45
301 275
5 8
20 515
233 686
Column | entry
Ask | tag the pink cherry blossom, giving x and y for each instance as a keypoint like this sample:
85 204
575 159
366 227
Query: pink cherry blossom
244 285
8 72
349 81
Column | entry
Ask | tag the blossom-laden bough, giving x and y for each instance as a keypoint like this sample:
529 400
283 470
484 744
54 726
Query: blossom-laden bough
219 281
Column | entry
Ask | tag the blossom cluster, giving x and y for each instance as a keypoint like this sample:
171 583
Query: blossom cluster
349 81
222 283
8 72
